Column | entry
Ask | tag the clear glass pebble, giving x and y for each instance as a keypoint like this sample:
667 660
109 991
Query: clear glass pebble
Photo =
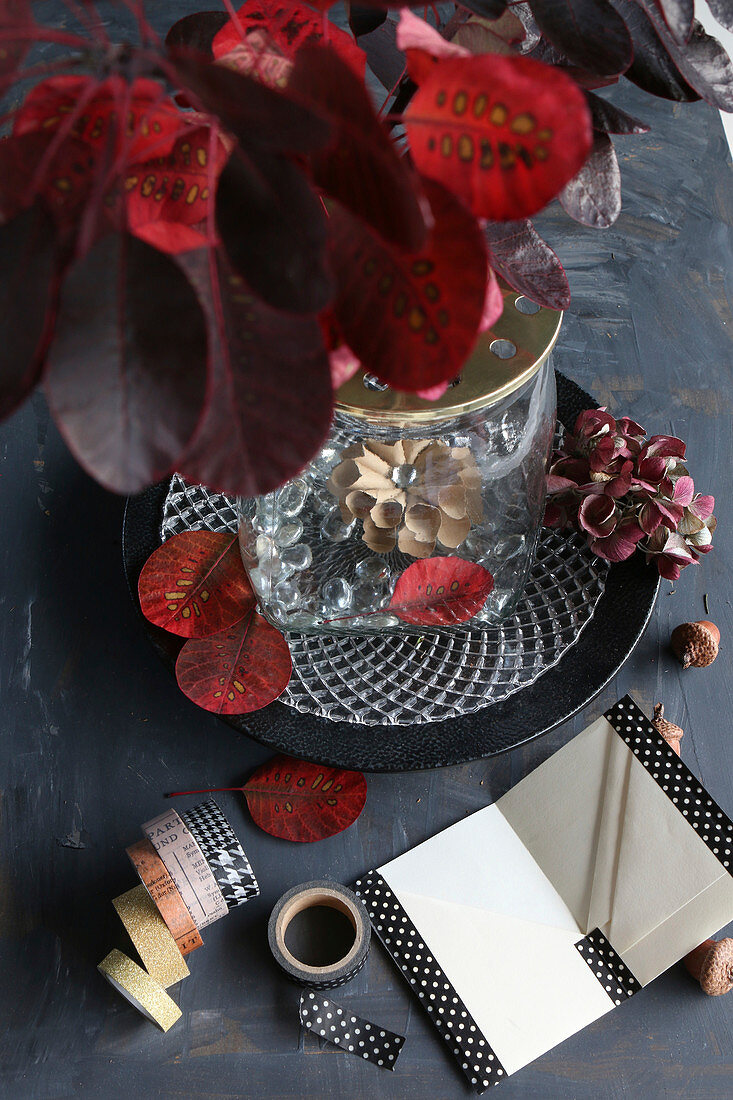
287 595
299 557
334 528
289 533
292 497
337 594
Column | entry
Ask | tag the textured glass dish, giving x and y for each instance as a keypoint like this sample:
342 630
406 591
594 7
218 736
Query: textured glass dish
402 679
324 552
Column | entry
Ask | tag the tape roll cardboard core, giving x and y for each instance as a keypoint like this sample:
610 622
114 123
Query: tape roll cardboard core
319 934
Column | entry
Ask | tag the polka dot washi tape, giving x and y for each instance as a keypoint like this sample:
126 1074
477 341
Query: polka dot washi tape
339 1026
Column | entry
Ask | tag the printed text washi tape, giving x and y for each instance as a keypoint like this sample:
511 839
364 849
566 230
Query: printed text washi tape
187 866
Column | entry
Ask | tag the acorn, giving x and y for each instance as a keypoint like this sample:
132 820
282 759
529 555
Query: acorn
671 733
712 964
696 644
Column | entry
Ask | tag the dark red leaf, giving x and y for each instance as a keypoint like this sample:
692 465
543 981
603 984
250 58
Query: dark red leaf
440 591
411 319
197 31
702 61
365 20
126 376
519 255
257 115
15 15
195 584
652 69
589 32
481 35
153 122
361 168
273 228
593 197
611 119
489 9
236 671
679 16
174 189
295 800
289 26
384 59
271 399
504 133
27 294
722 12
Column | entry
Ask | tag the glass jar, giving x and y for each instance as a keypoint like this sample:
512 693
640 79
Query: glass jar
401 479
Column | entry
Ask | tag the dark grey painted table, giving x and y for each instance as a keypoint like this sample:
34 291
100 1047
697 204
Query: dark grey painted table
94 730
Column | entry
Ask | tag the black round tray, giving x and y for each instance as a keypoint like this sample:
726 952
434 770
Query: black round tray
620 619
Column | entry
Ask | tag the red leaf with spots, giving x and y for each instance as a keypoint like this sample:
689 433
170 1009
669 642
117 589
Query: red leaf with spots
411 318
195 585
176 191
440 591
295 800
152 120
288 26
504 133
237 670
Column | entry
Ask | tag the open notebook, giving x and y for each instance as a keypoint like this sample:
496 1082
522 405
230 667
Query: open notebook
521 924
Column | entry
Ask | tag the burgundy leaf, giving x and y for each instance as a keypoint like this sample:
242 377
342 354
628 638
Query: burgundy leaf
195 584
384 58
722 12
362 166
702 61
27 293
679 16
273 228
652 69
270 405
236 671
126 375
411 319
480 35
440 591
589 32
196 31
295 800
593 197
258 116
611 119
365 20
488 9
519 255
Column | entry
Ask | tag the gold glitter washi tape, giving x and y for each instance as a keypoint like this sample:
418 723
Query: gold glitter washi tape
142 991
187 866
149 933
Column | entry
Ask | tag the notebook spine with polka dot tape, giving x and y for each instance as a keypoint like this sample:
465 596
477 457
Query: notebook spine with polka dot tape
532 918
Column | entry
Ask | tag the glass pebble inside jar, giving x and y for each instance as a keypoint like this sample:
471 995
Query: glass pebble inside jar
403 480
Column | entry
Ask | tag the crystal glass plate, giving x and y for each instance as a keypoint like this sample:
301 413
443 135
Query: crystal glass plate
399 680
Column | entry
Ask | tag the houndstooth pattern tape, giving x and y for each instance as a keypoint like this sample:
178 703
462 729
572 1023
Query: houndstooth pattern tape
223 852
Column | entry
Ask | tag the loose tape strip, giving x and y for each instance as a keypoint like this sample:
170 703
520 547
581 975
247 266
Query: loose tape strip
142 991
339 1026
162 890
325 894
224 854
149 933
187 867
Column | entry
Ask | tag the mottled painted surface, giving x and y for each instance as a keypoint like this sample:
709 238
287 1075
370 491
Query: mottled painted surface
94 730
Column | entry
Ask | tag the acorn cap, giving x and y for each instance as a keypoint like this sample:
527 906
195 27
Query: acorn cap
696 644
712 964
671 733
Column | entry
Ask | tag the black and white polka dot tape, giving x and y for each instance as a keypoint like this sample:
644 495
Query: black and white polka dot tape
223 852
418 966
342 1028
713 827
613 974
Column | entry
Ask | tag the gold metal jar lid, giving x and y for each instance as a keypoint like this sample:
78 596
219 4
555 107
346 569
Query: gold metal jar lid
505 357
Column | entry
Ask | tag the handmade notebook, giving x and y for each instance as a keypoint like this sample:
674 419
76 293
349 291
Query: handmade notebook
521 924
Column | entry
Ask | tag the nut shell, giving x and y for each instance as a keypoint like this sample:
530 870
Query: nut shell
696 644
712 964
671 733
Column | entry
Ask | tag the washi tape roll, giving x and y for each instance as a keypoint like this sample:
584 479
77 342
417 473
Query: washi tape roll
319 934
187 866
162 890
149 933
142 991
224 854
